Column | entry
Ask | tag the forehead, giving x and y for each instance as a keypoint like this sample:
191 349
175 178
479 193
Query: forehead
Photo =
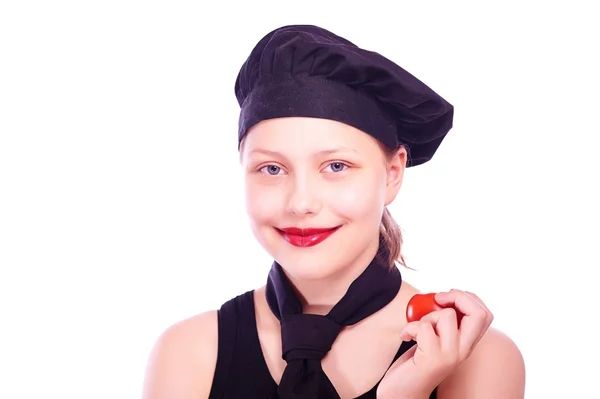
300 134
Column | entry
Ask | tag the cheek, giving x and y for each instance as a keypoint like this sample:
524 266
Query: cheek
359 199
262 204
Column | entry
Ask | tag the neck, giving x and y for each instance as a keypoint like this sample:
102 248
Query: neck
319 296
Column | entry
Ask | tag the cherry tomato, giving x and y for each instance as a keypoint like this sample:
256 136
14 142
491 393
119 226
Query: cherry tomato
420 305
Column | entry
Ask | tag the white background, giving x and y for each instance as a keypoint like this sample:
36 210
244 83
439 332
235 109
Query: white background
121 207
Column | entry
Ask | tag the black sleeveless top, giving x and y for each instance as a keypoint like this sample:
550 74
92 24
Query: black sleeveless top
241 371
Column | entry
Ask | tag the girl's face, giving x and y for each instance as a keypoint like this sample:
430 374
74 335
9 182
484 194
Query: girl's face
304 174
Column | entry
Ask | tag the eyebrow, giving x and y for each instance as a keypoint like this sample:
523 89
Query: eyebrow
318 153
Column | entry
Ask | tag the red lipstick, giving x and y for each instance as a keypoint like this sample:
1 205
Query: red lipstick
306 237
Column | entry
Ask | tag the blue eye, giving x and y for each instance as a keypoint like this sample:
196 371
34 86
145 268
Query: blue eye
271 169
337 166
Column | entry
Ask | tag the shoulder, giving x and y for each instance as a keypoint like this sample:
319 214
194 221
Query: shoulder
496 368
183 359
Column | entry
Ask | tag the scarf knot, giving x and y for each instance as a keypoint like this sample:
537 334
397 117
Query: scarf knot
307 336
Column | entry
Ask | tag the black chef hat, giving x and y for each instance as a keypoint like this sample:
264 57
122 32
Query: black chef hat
304 70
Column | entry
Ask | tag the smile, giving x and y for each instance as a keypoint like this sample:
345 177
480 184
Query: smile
306 237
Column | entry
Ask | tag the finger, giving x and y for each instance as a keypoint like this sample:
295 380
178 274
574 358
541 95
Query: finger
474 323
465 303
409 332
424 334
476 298
490 316
428 341
445 322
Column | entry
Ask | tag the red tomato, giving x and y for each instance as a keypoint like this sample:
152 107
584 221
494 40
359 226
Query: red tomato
421 305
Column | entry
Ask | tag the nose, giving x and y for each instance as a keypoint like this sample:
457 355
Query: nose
303 196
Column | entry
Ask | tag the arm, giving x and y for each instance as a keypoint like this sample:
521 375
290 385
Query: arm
182 362
495 370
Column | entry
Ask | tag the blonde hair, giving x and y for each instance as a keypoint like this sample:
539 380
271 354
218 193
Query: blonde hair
390 231
391 234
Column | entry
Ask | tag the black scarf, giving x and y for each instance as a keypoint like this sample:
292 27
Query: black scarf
306 338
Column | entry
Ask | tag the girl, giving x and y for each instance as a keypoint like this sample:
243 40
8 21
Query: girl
326 131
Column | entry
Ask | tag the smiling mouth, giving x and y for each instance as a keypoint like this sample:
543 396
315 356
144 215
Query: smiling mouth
306 237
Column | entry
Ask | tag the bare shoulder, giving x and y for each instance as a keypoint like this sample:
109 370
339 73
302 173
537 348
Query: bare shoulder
406 292
182 362
495 369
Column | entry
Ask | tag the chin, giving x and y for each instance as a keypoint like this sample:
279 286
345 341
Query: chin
309 264
303 272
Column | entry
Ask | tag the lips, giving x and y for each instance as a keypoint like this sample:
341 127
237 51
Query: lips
307 237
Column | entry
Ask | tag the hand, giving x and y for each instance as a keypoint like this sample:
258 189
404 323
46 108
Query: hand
441 346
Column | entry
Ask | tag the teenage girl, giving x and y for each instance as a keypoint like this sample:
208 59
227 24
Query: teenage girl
326 132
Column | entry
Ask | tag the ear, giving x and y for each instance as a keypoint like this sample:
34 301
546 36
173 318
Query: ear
395 174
